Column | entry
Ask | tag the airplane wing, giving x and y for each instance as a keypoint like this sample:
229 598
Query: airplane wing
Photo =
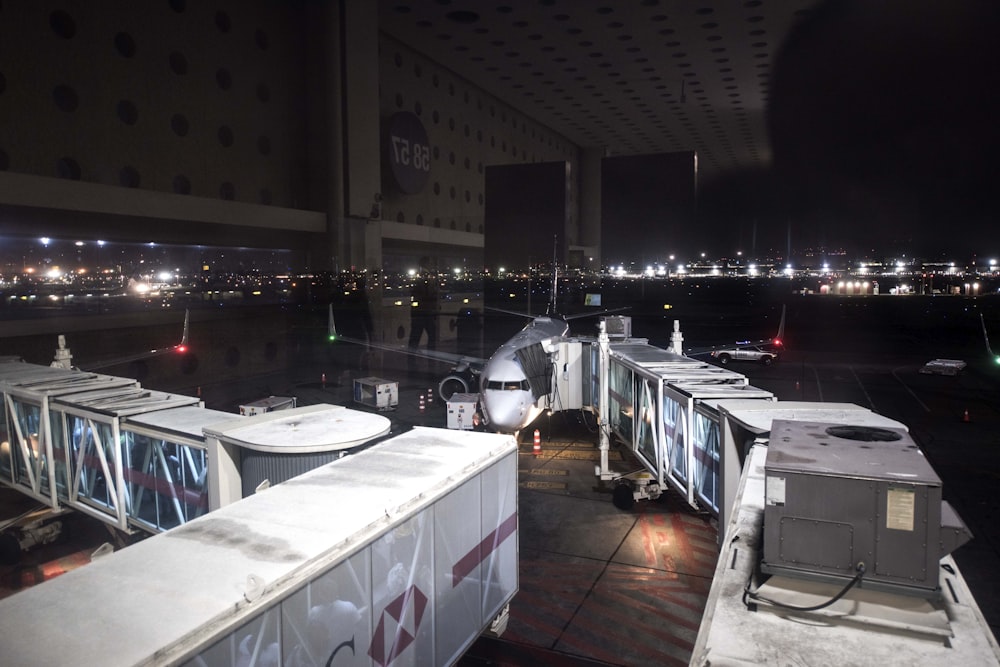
460 361
179 348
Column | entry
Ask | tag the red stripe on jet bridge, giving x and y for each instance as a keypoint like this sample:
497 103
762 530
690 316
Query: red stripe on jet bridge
467 563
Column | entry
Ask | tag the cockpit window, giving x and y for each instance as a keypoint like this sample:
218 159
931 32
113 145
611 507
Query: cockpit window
508 385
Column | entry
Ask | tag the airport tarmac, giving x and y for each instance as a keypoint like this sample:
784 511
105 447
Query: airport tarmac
599 586
603 586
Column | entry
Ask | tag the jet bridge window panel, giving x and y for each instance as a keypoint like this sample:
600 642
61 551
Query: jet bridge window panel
620 409
61 462
325 621
166 481
646 392
706 460
27 446
95 450
675 436
255 643
6 448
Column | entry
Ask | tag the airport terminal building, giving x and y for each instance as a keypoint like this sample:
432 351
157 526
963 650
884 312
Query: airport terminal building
298 125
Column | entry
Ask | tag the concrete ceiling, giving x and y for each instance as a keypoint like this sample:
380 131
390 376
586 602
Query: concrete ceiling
625 76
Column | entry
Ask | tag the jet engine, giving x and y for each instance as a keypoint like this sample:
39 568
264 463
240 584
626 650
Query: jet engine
457 382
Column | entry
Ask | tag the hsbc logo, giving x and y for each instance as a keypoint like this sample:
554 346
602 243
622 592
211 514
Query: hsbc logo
397 626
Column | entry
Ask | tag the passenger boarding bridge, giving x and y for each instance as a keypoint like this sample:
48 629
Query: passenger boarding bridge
661 404
136 458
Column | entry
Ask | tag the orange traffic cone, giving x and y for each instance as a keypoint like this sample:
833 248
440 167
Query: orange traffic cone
965 416
537 447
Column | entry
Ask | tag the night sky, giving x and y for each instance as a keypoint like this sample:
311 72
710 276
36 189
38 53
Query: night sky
885 129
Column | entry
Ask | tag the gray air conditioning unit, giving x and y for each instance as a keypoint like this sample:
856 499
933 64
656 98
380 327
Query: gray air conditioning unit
838 495
619 327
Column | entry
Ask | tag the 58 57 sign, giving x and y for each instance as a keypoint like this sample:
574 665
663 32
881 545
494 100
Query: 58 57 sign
409 152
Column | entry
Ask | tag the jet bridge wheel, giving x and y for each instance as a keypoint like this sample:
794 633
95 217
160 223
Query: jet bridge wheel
622 497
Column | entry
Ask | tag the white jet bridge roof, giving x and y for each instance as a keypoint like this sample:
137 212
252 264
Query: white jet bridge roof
670 366
31 380
123 402
159 597
308 429
187 421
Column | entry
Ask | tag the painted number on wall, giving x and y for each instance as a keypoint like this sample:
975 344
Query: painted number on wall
409 152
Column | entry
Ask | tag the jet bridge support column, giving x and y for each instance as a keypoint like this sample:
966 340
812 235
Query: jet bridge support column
603 361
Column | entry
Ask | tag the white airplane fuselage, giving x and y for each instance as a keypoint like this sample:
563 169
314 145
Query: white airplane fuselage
506 396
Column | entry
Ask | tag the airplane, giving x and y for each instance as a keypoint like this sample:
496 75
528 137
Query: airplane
64 358
515 382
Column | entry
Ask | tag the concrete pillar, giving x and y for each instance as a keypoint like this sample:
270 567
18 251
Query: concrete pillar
590 202
343 141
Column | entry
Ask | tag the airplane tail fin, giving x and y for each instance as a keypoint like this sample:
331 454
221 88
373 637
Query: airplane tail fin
780 336
986 338
182 346
187 327
331 327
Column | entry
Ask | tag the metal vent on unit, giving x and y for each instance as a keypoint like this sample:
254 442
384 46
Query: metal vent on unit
864 433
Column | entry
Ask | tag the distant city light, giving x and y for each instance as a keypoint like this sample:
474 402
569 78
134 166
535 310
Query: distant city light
45 240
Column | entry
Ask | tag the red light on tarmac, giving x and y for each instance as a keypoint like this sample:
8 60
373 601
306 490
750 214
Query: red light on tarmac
181 348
